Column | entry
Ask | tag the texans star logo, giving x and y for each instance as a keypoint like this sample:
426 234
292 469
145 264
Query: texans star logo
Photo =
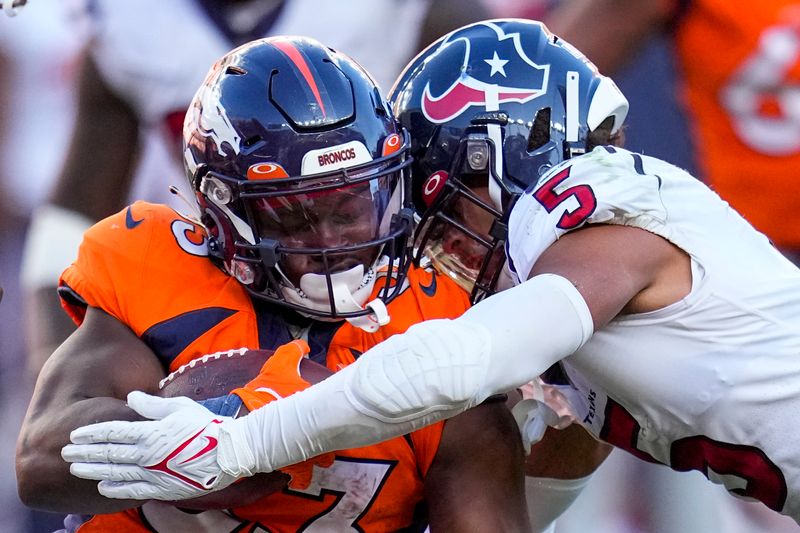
480 82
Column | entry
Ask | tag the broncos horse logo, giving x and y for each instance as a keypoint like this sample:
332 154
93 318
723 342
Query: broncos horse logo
211 118
475 85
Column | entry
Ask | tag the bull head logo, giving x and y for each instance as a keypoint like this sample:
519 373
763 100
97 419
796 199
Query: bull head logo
476 86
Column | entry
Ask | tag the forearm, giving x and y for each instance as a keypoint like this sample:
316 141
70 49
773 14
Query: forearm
43 477
434 371
304 425
479 460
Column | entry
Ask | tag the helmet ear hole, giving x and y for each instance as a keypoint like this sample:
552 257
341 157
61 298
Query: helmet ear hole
540 132
602 134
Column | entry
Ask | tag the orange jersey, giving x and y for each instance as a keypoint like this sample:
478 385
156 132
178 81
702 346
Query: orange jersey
741 66
147 267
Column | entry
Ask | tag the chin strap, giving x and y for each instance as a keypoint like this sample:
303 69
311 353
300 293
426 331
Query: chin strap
373 321
344 301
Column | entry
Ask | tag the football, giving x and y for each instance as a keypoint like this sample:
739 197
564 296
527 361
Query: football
219 373
216 375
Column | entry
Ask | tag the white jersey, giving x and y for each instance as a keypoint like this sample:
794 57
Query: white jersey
709 383
42 49
156 53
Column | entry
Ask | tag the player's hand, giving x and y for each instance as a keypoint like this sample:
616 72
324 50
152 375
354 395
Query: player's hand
279 377
172 457
542 405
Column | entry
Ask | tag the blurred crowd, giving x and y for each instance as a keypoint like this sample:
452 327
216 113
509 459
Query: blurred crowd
92 95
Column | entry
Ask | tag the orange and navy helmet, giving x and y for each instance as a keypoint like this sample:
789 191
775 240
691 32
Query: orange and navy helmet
300 170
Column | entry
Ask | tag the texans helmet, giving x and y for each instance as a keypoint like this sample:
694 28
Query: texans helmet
491 107
301 170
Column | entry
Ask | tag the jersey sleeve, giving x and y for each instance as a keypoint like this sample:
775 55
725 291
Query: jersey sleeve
142 265
607 186
109 265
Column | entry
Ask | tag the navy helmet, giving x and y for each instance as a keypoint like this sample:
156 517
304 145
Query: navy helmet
493 106
300 170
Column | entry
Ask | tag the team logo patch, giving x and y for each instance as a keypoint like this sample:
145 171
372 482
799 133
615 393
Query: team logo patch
266 171
391 144
336 157
190 238
482 86
211 118
433 186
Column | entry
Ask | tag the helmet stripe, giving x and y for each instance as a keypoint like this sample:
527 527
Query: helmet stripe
299 61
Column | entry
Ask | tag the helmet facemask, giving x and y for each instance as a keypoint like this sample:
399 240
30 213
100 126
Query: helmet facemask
317 244
463 231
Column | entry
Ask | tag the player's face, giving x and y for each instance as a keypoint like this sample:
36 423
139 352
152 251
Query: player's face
327 220
459 248
458 243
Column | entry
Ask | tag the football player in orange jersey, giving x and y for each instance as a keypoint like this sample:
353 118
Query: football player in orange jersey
145 61
301 232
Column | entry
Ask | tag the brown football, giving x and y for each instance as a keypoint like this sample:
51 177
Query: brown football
216 375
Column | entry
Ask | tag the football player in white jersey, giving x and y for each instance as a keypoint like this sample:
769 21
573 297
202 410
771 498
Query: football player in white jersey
673 322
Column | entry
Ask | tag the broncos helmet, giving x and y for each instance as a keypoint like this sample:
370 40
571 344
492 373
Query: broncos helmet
491 107
300 170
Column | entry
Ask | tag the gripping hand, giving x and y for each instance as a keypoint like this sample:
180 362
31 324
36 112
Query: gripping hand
173 456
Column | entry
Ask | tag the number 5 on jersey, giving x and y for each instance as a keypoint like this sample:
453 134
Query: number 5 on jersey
577 202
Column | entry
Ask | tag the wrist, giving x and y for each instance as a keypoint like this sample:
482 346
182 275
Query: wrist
235 451
228 405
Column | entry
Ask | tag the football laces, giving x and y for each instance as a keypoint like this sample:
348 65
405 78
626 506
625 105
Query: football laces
238 352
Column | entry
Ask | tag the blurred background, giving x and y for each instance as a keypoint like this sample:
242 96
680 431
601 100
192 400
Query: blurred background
92 95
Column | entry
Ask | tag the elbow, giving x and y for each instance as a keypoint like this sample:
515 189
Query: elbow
38 476
29 488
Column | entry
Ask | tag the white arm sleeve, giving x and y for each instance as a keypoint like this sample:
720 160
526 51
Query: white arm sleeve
435 370
548 499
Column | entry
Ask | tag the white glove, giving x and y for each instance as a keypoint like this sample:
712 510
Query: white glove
172 457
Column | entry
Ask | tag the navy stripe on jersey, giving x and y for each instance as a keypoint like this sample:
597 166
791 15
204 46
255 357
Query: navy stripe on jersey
638 164
170 337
